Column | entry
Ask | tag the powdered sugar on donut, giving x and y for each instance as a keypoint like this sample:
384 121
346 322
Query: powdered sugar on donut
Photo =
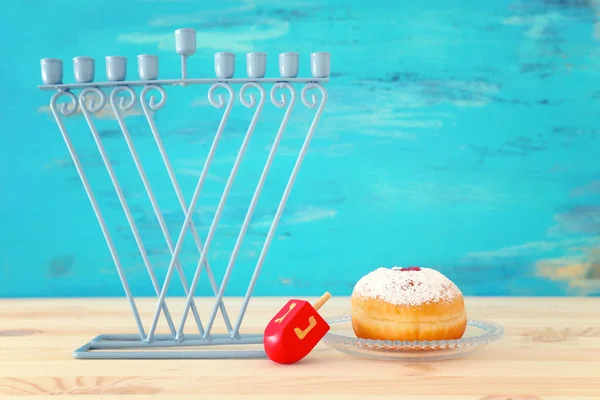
407 288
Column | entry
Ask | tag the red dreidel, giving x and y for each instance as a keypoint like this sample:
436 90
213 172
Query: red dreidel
295 331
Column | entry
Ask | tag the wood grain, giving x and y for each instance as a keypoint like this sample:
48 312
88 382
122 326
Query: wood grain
551 351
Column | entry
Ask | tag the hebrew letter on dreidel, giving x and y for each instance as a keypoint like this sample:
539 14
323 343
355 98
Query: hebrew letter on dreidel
280 319
312 322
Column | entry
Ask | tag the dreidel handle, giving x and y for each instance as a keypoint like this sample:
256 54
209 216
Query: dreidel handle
319 303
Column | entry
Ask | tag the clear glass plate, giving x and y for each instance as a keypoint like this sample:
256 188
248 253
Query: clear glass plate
478 334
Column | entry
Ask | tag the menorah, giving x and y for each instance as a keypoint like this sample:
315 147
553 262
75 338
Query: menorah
122 98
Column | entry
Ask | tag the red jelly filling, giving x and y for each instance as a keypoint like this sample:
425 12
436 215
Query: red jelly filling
410 269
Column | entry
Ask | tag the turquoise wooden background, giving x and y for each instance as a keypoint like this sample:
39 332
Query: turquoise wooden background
458 135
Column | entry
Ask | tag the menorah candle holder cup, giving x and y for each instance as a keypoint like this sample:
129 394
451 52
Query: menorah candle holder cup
116 68
185 41
256 65
147 67
119 93
289 64
320 64
225 65
52 71
84 69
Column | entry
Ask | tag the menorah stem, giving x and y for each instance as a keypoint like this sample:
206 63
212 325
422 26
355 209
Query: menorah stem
283 202
222 201
96 208
253 202
153 201
195 196
87 114
182 203
184 66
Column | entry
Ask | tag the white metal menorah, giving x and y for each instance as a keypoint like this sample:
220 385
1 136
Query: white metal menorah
92 99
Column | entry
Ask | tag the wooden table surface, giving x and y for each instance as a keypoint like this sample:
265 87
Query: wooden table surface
550 351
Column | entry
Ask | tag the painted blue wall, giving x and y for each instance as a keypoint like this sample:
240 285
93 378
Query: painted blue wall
458 135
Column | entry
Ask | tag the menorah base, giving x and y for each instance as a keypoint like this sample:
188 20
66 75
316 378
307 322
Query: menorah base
130 346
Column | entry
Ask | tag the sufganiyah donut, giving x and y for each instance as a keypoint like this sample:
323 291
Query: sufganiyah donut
407 304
